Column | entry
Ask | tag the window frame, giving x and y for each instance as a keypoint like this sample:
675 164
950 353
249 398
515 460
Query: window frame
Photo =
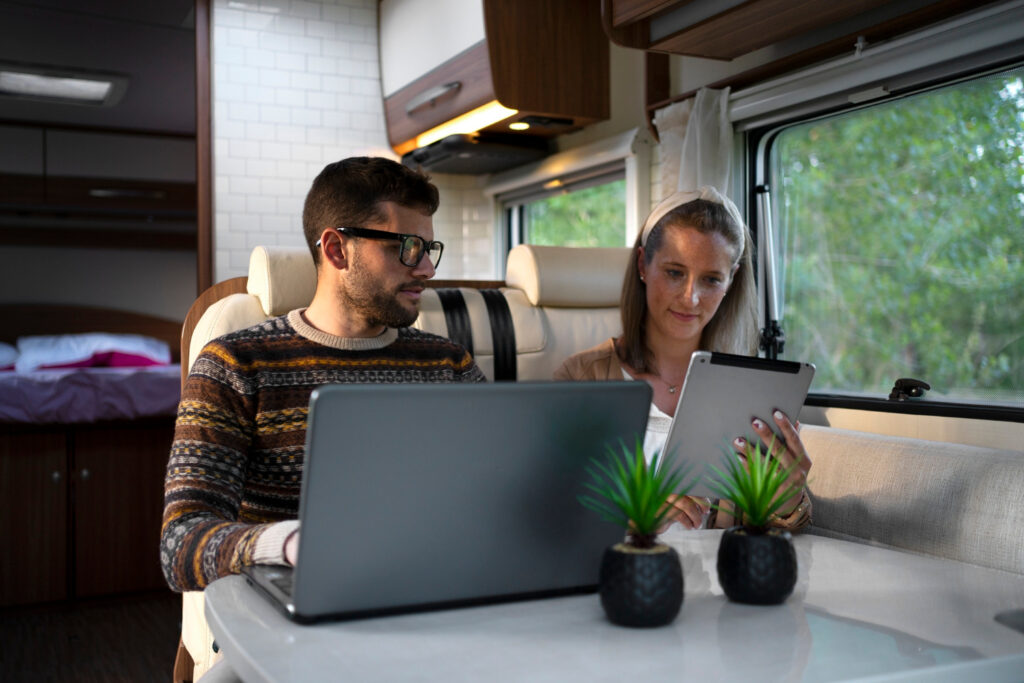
513 205
757 142
630 149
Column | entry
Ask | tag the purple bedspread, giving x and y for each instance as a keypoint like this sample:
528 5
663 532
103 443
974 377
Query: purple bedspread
89 394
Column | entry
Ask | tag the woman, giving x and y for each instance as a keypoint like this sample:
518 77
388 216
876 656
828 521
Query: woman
690 287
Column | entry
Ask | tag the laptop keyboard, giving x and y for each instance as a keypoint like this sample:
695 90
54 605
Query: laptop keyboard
285 582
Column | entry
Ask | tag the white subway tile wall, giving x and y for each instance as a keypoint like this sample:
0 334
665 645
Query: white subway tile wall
465 222
296 85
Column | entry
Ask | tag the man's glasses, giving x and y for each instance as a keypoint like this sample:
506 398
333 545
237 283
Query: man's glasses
414 247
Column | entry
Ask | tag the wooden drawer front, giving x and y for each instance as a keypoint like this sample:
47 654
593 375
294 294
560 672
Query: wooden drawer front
471 69
33 517
119 489
160 197
21 189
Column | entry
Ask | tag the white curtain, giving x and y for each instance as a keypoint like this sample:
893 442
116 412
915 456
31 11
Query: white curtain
696 142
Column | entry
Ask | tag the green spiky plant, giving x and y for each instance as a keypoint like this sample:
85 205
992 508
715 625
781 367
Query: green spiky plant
634 493
757 489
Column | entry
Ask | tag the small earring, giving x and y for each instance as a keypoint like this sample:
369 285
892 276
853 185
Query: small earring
642 279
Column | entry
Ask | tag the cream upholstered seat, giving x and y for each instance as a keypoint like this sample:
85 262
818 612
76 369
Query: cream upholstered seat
558 301
946 499
280 280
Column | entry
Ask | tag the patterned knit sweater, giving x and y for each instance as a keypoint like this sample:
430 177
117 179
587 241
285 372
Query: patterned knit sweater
235 468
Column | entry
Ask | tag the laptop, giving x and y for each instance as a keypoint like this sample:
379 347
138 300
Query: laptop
721 394
427 496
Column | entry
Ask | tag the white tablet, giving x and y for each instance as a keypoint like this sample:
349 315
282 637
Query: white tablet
721 394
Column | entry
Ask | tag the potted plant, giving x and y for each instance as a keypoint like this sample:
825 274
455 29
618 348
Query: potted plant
756 563
641 580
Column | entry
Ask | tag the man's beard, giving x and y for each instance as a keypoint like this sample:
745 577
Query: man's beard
374 302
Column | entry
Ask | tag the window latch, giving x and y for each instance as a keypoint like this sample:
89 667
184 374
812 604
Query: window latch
908 387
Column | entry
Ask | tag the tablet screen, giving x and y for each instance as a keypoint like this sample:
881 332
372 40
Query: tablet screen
721 394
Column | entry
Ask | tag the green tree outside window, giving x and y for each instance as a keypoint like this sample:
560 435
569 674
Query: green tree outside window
902 228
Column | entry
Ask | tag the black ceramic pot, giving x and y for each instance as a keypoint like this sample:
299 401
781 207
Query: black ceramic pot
757 568
641 587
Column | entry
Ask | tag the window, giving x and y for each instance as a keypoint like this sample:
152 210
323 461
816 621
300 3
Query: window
587 211
901 231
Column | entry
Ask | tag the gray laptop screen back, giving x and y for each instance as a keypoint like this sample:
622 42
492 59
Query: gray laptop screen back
418 495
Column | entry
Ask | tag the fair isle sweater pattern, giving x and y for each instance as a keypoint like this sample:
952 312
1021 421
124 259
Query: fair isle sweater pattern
235 466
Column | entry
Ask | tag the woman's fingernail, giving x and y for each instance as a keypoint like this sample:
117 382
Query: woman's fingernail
738 442
778 415
758 424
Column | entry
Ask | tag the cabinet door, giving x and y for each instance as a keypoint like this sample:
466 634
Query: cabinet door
33 517
119 487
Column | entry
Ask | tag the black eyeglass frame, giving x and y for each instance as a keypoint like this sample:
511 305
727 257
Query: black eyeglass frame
406 239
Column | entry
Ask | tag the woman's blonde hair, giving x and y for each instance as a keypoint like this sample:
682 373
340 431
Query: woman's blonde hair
733 329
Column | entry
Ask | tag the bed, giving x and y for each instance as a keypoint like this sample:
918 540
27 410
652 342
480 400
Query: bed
82 459
73 395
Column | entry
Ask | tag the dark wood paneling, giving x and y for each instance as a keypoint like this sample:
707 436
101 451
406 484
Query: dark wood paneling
657 85
33 517
885 30
548 57
17 320
118 492
138 196
21 189
204 149
625 12
470 68
40 235
754 25
540 58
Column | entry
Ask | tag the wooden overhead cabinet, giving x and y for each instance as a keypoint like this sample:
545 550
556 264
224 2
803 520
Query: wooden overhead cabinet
546 60
727 29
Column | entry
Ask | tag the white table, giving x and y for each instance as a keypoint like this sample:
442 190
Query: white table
858 612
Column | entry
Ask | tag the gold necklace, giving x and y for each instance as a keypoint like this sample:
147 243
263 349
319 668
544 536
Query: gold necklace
671 387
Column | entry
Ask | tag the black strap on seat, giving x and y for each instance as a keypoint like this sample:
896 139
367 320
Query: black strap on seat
503 335
456 317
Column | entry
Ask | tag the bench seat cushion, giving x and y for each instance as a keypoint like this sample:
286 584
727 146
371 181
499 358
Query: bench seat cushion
961 502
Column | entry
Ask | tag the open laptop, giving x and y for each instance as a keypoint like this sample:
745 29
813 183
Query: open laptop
439 495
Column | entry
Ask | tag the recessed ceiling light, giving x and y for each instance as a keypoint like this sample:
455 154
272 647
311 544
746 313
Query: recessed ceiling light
42 83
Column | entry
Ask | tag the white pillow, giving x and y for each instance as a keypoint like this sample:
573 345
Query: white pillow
8 355
90 350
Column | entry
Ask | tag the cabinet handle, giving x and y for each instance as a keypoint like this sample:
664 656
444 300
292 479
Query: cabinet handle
428 98
85 474
55 476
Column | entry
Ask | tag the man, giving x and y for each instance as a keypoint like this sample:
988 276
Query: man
234 475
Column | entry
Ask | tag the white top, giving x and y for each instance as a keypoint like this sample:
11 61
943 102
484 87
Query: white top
658 423
858 611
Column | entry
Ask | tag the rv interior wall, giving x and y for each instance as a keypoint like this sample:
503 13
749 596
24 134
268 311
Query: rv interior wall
156 106
296 87
160 283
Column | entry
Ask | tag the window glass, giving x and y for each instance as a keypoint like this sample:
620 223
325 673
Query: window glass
593 216
901 228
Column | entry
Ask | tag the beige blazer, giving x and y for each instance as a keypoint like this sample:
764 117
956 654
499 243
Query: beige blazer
598 363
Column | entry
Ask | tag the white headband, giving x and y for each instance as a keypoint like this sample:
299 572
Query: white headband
679 198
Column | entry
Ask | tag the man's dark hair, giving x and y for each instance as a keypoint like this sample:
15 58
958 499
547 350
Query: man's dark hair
348 193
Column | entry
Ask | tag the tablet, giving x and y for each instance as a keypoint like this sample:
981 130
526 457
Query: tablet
721 394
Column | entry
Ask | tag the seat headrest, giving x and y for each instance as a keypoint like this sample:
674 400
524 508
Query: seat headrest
282 278
576 277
